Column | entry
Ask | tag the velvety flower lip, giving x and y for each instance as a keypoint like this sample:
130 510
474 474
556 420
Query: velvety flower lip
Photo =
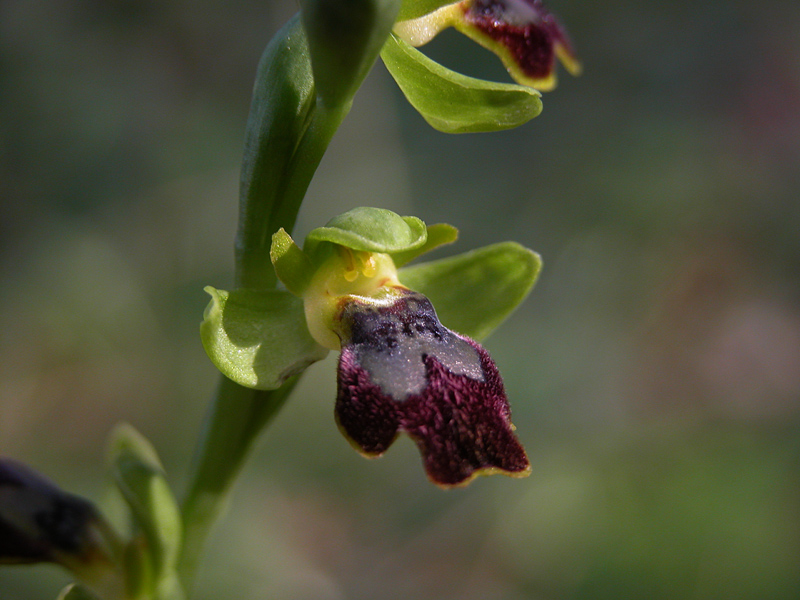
523 33
530 35
401 370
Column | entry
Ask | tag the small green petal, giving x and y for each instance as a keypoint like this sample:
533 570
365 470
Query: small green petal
139 476
439 234
292 265
413 9
474 292
369 230
258 338
454 103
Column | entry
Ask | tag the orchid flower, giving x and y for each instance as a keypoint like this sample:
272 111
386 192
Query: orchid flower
523 33
400 368
39 522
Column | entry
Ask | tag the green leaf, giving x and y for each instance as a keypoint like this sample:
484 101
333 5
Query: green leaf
454 103
141 480
345 39
258 338
292 265
370 230
75 591
413 9
474 292
439 234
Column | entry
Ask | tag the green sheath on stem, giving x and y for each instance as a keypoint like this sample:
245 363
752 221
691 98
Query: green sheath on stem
232 425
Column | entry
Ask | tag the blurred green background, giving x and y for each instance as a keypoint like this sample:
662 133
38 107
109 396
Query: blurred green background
654 373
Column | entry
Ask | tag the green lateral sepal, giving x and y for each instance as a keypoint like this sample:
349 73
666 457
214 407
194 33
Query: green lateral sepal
258 338
454 103
473 293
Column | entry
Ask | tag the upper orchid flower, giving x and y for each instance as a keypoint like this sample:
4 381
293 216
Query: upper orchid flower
344 39
400 369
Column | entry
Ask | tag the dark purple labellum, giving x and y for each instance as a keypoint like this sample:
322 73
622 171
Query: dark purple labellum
402 370
526 28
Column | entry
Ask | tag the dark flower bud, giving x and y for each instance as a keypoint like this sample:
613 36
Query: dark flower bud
41 523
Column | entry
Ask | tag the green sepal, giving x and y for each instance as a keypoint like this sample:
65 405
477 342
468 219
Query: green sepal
344 39
439 234
75 591
413 9
454 103
140 478
292 265
474 292
258 338
369 230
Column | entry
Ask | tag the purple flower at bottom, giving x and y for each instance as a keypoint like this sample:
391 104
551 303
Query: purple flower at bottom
401 370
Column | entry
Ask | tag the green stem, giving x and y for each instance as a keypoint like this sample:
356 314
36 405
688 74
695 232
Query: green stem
288 132
231 429
237 414
270 199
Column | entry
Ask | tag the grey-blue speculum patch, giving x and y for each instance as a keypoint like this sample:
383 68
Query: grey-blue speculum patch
391 344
